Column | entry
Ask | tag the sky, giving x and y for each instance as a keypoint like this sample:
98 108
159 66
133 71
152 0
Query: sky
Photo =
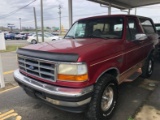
81 9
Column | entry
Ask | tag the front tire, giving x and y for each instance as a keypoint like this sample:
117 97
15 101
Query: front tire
147 69
33 42
104 99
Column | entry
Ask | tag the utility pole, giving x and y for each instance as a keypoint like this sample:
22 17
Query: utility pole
35 19
20 24
42 26
59 19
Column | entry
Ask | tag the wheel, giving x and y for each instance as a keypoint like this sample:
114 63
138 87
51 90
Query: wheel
147 69
104 99
53 40
34 42
23 38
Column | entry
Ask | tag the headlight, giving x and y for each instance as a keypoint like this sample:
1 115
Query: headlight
72 72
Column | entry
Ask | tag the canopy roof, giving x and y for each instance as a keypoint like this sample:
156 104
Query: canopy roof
127 4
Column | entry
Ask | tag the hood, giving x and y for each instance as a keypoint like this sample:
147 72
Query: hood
64 45
85 48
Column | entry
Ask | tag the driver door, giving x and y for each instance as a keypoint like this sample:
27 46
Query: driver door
133 49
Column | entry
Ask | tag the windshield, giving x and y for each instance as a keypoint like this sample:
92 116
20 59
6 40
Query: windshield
49 34
97 28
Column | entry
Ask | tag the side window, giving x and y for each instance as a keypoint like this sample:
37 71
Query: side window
98 26
118 27
147 25
132 29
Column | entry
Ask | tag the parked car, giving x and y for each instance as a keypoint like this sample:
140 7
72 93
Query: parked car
81 73
9 36
22 36
47 37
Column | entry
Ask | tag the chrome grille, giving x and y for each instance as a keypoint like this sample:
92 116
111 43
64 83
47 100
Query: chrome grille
37 67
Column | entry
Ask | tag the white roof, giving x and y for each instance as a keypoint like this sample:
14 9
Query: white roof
126 4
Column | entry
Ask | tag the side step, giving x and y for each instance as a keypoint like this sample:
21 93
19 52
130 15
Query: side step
133 77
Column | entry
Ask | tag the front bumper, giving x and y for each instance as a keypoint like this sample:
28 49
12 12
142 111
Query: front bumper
61 97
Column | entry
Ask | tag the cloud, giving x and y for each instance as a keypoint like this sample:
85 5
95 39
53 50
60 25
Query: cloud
81 8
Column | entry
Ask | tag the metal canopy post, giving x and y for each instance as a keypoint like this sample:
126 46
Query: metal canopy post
2 84
129 11
2 47
109 9
135 11
70 12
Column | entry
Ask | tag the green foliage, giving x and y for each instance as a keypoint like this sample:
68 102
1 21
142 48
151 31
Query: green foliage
130 118
10 48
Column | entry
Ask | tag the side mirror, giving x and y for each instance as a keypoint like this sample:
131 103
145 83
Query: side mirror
141 36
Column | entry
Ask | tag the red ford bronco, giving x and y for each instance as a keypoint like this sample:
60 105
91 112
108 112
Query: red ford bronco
82 71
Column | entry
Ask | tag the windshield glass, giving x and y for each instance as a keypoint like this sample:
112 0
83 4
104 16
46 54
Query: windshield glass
97 28
49 34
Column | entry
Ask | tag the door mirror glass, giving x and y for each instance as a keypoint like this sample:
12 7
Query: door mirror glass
140 37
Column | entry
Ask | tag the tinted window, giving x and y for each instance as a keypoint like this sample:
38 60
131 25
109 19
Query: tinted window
147 25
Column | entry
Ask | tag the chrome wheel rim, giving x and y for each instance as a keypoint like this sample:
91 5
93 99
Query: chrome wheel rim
107 98
150 67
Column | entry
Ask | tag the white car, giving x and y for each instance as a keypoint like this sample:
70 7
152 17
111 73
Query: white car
22 36
47 38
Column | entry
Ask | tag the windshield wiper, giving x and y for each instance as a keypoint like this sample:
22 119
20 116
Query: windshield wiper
69 36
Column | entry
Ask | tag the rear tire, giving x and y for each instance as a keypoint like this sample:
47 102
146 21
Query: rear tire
104 99
33 42
147 69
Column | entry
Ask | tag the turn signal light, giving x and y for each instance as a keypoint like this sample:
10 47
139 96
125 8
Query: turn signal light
73 78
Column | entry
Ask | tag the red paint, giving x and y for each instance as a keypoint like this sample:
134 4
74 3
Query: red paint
99 54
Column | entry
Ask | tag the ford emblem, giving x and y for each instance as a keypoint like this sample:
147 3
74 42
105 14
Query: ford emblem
31 67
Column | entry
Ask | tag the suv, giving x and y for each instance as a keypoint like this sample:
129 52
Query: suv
9 36
22 36
82 72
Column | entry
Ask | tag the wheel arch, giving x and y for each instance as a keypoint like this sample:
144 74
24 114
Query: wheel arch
33 40
112 71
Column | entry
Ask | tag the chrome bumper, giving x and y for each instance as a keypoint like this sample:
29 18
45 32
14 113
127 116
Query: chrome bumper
54 90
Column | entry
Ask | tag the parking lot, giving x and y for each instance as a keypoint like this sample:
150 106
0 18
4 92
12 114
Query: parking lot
132 97
16 42
16 105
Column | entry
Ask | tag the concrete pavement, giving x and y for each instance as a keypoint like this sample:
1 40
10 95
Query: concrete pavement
132 96
136 99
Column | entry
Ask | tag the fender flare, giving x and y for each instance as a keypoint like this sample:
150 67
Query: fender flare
107 70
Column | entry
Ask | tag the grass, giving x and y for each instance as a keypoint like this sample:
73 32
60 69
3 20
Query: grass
10 48
130 118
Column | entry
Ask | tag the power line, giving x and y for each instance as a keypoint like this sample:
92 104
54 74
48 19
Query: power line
46 19
15 11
